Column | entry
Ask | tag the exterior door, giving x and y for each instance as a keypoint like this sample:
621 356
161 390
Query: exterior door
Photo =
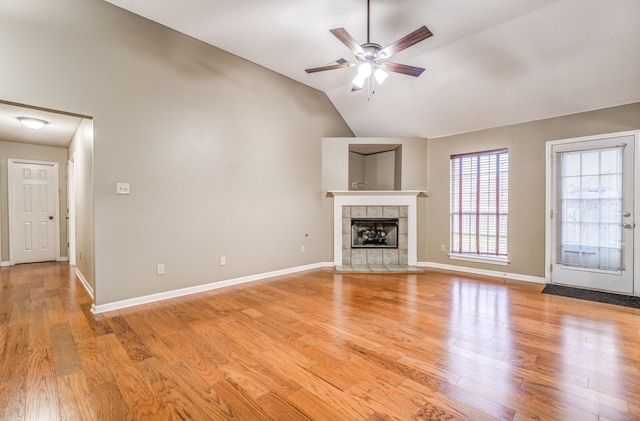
33 198
592 213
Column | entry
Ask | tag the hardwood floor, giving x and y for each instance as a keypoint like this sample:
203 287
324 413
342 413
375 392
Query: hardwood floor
316 346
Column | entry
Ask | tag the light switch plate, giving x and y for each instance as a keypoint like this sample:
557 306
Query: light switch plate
123 188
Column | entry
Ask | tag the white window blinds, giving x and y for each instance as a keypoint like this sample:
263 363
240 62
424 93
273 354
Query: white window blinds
480 203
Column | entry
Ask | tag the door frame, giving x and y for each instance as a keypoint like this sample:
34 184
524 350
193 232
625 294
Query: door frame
56 211
549 200
71 209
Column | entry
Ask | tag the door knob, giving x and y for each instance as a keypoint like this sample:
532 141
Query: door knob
626 214
51 218
628 226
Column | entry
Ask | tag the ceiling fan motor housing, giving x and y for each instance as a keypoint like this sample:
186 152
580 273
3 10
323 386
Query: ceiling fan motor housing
371 52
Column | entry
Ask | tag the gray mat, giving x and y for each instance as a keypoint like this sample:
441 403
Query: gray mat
585 294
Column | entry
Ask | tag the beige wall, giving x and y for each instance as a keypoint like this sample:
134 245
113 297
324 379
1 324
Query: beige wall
81 149
223 156
380 170
356 168
377 170
38 153
526 143
397 168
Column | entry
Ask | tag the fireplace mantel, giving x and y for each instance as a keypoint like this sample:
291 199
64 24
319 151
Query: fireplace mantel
415 193
407 198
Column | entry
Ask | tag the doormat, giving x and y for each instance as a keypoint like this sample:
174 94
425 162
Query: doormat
586 294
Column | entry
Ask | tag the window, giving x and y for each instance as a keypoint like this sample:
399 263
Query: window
480 204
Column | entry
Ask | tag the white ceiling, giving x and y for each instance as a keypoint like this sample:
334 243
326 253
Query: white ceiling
58 132
490 63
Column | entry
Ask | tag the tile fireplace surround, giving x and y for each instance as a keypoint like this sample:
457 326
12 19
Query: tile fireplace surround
393 203
374 256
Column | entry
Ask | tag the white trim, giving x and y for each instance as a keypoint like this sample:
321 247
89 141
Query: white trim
484 272
480 259
636 215
63 259
56 210
5 264
336 193
96 309
71 209
84 283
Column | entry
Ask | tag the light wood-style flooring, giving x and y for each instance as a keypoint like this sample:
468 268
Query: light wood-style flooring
316 346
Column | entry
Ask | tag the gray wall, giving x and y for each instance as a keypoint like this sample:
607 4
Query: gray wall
81 149
218 151
38 153
526 143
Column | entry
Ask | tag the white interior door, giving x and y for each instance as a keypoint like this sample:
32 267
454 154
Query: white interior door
33 199
592 213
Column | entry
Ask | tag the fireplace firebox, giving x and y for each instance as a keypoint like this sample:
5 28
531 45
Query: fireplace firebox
374 233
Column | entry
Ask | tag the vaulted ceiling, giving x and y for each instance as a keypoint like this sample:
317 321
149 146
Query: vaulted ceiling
490 63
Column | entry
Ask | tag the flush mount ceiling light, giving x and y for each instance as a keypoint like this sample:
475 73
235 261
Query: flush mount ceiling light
32 123
371 57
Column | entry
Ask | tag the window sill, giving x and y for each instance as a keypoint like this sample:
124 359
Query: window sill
480 259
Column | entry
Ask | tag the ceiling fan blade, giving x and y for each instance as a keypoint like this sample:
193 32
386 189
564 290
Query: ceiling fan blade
405 42
332 67
348 40
402 68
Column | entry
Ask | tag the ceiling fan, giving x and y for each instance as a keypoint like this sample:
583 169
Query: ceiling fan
371 57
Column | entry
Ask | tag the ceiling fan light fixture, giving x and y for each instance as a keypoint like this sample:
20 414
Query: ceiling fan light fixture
380 75
358 81
369 55
365 69
32 123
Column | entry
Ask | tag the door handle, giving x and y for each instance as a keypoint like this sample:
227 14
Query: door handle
626 214
628 226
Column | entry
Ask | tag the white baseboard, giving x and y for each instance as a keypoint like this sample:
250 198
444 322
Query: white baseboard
484 272
8 263
84 283
102 308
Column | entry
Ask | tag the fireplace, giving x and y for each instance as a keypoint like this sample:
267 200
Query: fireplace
374 233
366 205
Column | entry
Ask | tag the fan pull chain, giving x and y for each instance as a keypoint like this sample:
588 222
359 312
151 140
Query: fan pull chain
371 88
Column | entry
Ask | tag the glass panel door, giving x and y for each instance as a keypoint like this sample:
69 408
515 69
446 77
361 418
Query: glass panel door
593 226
